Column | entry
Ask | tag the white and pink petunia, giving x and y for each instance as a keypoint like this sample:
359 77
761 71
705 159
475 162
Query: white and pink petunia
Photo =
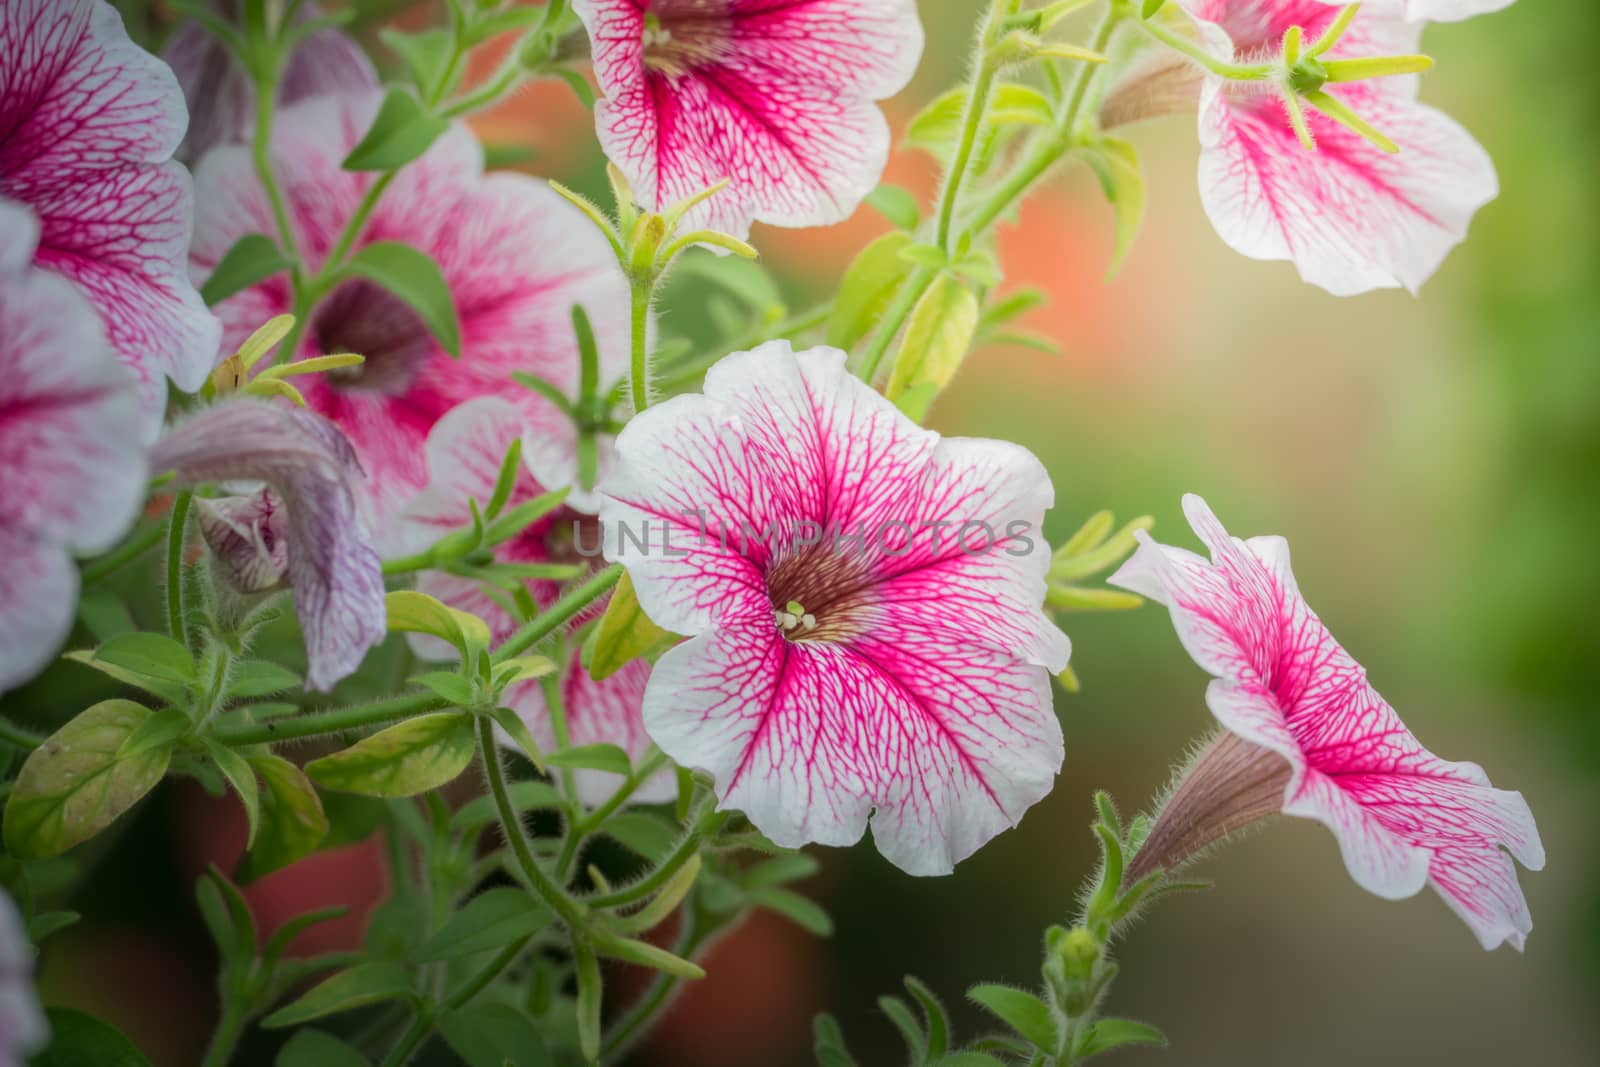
464 457
1441 10
865 604
221 93
515 255
88 125
309 506
773 96
1349 215
1403 817
71 470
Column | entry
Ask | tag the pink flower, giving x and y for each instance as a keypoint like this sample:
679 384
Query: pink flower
71 470
221 94
865 604
777 98
1349 215
516 256
23 1030
310 506
464 455
1441 10
1403 816
90 122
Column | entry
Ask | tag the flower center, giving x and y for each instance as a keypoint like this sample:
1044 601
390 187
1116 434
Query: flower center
677 45
362 317
820 595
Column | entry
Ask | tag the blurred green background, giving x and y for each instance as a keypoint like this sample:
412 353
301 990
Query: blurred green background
1432 461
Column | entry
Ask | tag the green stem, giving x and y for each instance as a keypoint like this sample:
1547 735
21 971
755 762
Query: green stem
692 371
406 1047
511 825
640 374
20 736
899 310
226 1036
558 614
319 723
103 567
697 932
708 824
641 774
490 971
261 151
971 123
176 535
1179 43
353 228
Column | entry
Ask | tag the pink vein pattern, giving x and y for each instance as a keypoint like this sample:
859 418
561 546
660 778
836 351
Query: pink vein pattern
1350 216
776 96
1403 817
515 256
464 454
915 687
71 471
88 125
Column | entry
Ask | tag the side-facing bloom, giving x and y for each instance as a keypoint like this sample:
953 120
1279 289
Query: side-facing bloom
88 125
1442 10
1349 215
71 467
23 1030
515 256
778 99
314 477
865 604
221 94
1403 817
464 455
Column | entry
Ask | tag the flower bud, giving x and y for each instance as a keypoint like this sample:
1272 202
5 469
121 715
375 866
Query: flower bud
249 552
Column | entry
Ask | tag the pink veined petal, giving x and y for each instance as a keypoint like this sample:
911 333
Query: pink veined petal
19 235
463 456
1443 10
38 589
69 417
1255 27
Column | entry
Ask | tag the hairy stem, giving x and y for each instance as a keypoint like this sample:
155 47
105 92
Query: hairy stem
176 535
552 894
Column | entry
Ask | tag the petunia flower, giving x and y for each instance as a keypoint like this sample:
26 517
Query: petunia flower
23 1029
776 98
464 456
313 472
1350 215
72 472
222 95
88 125
864 601
515 255
1441 10
1304 726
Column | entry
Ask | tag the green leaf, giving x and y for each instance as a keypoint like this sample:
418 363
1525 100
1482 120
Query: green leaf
160 730
78 1039
779 870
1116 164
237 770
937 340
426 54
46 923
649 835
646 955
254 258
625 633
745 279
292 819
968 1059
258 678
173 693
152 655
525 796
405 759
76 783
897 205
579 84
226 915
448 686
868 285
1020 1010
828 1043
509 721
592 757
1108 1034
492 919
797 909
401 133
366 983
933 1014
313 1048
906 1023
415 278
417 613
494 1035
937 127
523 669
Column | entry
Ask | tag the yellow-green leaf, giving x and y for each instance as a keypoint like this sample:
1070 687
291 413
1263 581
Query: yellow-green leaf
625 633
406 759
418 613
293 823
868 285
937 339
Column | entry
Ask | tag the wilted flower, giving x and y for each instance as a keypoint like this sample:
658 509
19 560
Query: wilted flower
23 1029
865 599
1349 214
464 455
515 255
91 122
71 469
1323 741
222 95
775 98
247 538
311 469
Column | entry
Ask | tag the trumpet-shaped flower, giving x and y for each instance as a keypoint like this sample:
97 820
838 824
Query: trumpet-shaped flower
1350 215
314 478
515 256
88 125
1403 817
864 600
776 98
464 456
71 469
